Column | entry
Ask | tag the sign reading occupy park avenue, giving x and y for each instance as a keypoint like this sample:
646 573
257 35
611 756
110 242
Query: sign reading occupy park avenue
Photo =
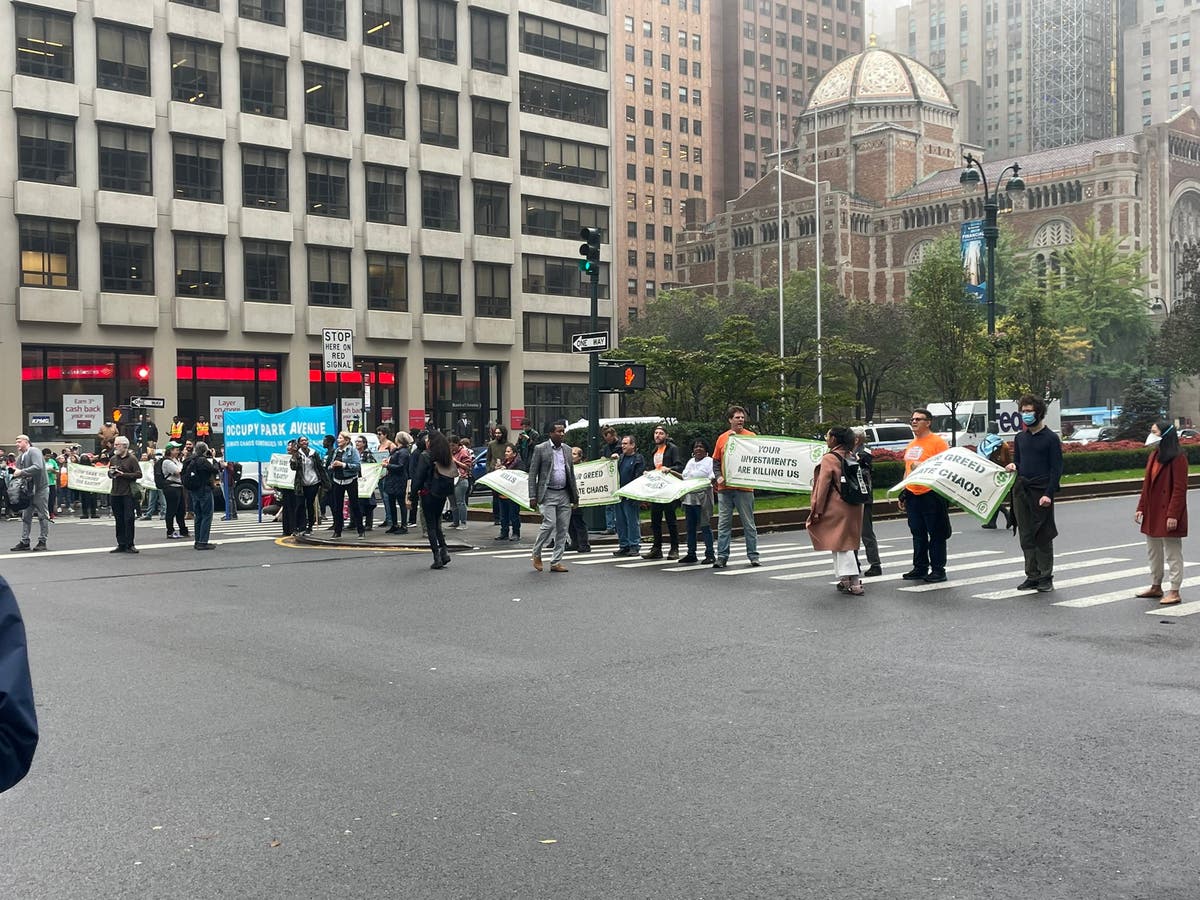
771 463
657 487
964 477
252 436
597 482
510 483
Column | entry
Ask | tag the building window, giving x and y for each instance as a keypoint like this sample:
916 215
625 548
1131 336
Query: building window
197 169
491 209
384 106
489 41
387 281
383 24
564 100
48 253
548 217
439 202
269 11
549 333
493 290
264 178
45 148
555 40
386 195
436 24
489 126
324 96
440 289
45 43
557 277
327 17
568 161
195 72
328 185
122 58
328 277
125 159
126 260
210 5
264 85
266 266
439 117
199 266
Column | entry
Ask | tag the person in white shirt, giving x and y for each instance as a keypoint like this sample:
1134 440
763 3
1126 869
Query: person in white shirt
698 505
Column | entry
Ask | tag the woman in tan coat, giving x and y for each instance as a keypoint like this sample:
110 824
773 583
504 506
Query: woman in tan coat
833 524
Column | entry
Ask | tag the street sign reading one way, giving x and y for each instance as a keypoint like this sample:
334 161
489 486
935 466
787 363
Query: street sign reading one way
148 402
592 342
338 349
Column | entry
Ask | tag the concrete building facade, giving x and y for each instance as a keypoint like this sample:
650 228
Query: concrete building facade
194 191
1160 75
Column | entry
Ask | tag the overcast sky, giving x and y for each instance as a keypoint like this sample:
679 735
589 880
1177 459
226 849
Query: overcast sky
885 19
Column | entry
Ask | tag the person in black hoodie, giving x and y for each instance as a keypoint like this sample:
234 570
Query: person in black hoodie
665 458
18 718
395 483
434 482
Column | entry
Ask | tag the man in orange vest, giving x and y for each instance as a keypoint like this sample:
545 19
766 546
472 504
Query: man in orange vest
928 514
203 429
177 429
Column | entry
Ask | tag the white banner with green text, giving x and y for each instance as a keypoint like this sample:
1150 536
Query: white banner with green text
964 477
770 463
510 483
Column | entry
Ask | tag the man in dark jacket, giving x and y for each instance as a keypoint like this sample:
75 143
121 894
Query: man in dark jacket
18 719
123 470
665 458
630 465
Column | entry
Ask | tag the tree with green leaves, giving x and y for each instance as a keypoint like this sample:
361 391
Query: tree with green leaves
947 345
1142 405
1099 289
1177 349
874 346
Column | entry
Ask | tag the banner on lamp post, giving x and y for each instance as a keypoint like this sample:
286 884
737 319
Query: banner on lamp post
964 477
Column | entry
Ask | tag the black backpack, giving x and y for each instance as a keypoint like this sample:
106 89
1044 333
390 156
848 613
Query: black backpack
853 482
160 480
194 478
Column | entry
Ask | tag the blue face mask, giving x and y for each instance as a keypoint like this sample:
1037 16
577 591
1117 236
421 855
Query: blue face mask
1028 418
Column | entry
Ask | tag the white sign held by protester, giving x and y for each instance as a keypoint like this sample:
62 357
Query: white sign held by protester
597 482
510 483
278 473
90 479
218 406
655 487
767 462
964 477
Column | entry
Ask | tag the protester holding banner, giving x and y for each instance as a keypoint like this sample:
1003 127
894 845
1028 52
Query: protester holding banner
510 512
664 458
611 450
630 466
833 524
577 532
1162 511
698 505
928 514
311 475
730 498
1038 462
865 463
345 465
995 449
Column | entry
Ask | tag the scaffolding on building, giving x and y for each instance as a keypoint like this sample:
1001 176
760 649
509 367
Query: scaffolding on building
1070 60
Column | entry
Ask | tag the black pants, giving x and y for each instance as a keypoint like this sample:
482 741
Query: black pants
289 510
431 509
122 507
657 512
175 520
307 520
577 533
927 521
337 495
397 513
870 544
87 505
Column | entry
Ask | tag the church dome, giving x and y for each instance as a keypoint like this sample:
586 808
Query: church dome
878 76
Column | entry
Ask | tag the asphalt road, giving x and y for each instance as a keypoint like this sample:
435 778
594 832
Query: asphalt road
268 721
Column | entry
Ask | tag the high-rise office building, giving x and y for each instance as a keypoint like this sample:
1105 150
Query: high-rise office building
1026 74
1161 77
200 188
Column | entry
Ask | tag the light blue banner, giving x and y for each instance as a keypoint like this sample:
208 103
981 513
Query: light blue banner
252 436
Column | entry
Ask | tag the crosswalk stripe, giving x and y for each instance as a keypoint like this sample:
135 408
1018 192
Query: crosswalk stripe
1005 575
814 558
1183 609
1098 599
628 562
1070 582
174 545
897 577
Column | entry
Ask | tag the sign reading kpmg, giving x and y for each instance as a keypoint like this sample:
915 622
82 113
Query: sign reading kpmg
252 436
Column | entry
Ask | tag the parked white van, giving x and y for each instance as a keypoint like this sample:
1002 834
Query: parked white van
969 423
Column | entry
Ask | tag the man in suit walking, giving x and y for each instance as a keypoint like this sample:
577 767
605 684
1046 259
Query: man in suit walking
552 488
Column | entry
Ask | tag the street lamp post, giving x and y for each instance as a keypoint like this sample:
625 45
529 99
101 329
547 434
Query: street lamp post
779 173
972 175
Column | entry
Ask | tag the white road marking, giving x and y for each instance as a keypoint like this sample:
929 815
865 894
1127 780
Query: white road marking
899 576
998 576
182 544
815 558
1182 609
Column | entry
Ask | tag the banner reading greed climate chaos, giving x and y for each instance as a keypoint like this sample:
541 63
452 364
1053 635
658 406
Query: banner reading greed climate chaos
597 482
964 477
771 463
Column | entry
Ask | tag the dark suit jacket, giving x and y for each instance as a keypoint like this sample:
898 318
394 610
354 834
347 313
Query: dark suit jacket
541 466
18 720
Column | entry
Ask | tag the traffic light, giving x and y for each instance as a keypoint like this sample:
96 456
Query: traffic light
590 251
143 373
622 376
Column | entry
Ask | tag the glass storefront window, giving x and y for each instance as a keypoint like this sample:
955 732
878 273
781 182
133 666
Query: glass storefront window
92 382
209 382
372 385
455 387
544 403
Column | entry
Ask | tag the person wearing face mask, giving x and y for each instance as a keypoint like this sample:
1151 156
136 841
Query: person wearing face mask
1038 462
1162 511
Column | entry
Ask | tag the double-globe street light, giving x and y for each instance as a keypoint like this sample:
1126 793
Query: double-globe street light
972 175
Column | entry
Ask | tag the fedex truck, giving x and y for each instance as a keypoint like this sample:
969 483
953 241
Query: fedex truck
969 423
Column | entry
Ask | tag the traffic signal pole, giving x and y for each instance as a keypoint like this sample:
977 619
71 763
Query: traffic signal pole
589 264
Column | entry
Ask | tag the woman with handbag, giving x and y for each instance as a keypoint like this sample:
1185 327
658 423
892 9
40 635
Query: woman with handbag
434 483
1162 511
833 524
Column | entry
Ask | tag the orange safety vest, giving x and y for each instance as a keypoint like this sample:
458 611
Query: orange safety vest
201 430
176 430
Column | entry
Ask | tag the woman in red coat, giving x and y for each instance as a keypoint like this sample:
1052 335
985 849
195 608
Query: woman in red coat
833 524
1162 511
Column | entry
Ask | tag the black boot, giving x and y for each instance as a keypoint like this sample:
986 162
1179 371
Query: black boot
673 553
655 551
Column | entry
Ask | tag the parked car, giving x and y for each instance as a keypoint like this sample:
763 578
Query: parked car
1185 433
889 435
1092 434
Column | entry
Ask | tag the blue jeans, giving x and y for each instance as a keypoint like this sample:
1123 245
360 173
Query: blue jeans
202 514
610 518
743 502
693 515
629 529
461 491
155 503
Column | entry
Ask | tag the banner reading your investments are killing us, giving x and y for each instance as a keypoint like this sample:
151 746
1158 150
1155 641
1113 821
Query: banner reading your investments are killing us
766 462
964 477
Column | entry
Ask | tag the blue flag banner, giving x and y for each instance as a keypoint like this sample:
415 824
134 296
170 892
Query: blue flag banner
974 269
252 436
